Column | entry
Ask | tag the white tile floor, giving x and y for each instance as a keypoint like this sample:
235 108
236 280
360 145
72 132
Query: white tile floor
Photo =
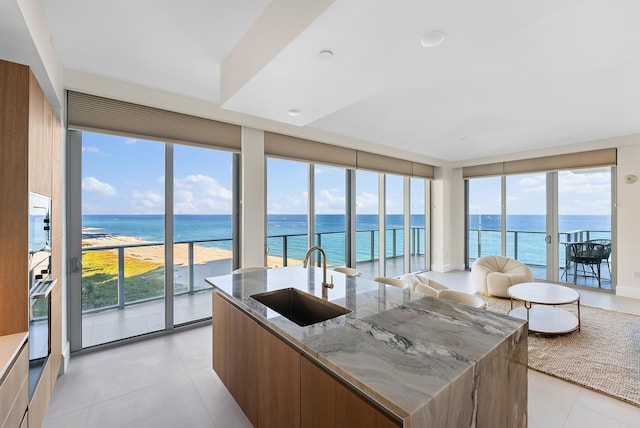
167 381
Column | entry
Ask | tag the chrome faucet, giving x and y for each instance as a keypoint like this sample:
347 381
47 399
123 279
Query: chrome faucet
325 285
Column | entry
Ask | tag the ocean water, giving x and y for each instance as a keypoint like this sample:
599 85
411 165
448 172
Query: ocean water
527 244
330 227
526 234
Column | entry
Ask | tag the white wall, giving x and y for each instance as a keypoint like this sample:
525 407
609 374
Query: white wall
628 221
447 212
252 199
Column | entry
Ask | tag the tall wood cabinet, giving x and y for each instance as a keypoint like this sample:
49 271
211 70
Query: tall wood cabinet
30 161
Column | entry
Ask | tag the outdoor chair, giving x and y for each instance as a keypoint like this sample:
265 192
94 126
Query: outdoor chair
607 250
589 255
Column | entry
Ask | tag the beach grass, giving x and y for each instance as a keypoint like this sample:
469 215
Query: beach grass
144 279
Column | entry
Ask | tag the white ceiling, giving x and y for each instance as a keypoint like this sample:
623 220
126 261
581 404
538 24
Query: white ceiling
511 76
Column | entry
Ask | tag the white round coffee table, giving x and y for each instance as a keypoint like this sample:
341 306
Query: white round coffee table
544 317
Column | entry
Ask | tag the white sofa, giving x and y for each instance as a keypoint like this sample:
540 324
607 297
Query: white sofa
493 275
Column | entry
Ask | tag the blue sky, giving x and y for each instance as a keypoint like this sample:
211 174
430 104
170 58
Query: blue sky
579 192
126 176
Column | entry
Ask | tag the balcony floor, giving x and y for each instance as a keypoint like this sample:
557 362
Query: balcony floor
138 319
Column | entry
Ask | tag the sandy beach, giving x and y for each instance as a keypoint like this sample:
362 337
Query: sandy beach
155 254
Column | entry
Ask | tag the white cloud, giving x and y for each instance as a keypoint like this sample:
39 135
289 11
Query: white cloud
203 185
92 149
148 202
93 185
287 203
330 201
367 203
201 194
131 141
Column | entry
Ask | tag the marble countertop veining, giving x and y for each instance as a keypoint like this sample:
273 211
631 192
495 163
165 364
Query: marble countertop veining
398 347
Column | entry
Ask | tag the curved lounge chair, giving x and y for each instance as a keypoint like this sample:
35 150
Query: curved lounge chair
493 275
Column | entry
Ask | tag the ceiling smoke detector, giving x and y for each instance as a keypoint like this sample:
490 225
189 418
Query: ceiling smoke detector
433 39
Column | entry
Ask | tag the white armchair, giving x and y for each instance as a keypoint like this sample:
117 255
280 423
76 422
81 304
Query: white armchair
493 275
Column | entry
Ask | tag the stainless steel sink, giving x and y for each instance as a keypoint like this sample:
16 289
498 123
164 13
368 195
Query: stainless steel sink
300 307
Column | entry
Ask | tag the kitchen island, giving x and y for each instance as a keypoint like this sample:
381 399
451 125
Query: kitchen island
416 361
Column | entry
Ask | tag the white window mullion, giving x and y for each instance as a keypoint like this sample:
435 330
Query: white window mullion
168 235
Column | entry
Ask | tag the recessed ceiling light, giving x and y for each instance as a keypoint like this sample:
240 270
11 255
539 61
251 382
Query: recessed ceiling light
294 112
326 54
432 39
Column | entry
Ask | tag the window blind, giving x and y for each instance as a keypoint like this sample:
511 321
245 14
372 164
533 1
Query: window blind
589 159
294 148
93 113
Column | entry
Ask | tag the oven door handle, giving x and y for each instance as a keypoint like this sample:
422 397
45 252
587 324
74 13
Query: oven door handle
42 290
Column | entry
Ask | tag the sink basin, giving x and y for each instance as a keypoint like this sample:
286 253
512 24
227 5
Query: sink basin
300 307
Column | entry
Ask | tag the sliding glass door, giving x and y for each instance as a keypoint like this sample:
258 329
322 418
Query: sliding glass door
544 220
584 216
526 221
123 275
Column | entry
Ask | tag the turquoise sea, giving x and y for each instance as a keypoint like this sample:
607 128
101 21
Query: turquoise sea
331 229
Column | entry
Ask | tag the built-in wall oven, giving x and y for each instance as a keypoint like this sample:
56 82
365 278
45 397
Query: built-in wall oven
40 285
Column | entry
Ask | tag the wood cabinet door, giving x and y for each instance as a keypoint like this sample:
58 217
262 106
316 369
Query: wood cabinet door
278 382
56 332
326 402
355 412
317 396
220 326
242 362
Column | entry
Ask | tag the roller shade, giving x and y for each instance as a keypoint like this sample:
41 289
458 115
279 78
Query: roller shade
590 159
287 147
294 148
92 113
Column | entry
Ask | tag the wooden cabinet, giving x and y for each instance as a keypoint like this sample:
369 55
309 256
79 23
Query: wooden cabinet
278 382
55 358
30 161
327 402
40 398
275 386
242 361
220 351
14 391
14 194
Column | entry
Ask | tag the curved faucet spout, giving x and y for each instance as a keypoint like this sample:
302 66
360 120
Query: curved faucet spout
325 285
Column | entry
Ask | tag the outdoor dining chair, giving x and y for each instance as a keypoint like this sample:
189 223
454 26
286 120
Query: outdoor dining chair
589 255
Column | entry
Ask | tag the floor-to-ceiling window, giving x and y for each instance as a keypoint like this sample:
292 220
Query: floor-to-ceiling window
526 221
287 211
122 236
203 224
330 212
418 243
584 215
125 231
559 223
367 222
394 225
484 221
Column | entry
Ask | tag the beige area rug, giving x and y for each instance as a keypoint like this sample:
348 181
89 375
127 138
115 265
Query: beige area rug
603 356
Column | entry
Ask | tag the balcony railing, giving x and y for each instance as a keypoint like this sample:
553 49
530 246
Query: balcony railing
106 287
527 247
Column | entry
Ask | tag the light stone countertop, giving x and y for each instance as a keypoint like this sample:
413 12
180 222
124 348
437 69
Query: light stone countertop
398 347
10 346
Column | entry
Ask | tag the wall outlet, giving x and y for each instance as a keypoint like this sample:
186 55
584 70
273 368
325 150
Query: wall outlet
636 275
